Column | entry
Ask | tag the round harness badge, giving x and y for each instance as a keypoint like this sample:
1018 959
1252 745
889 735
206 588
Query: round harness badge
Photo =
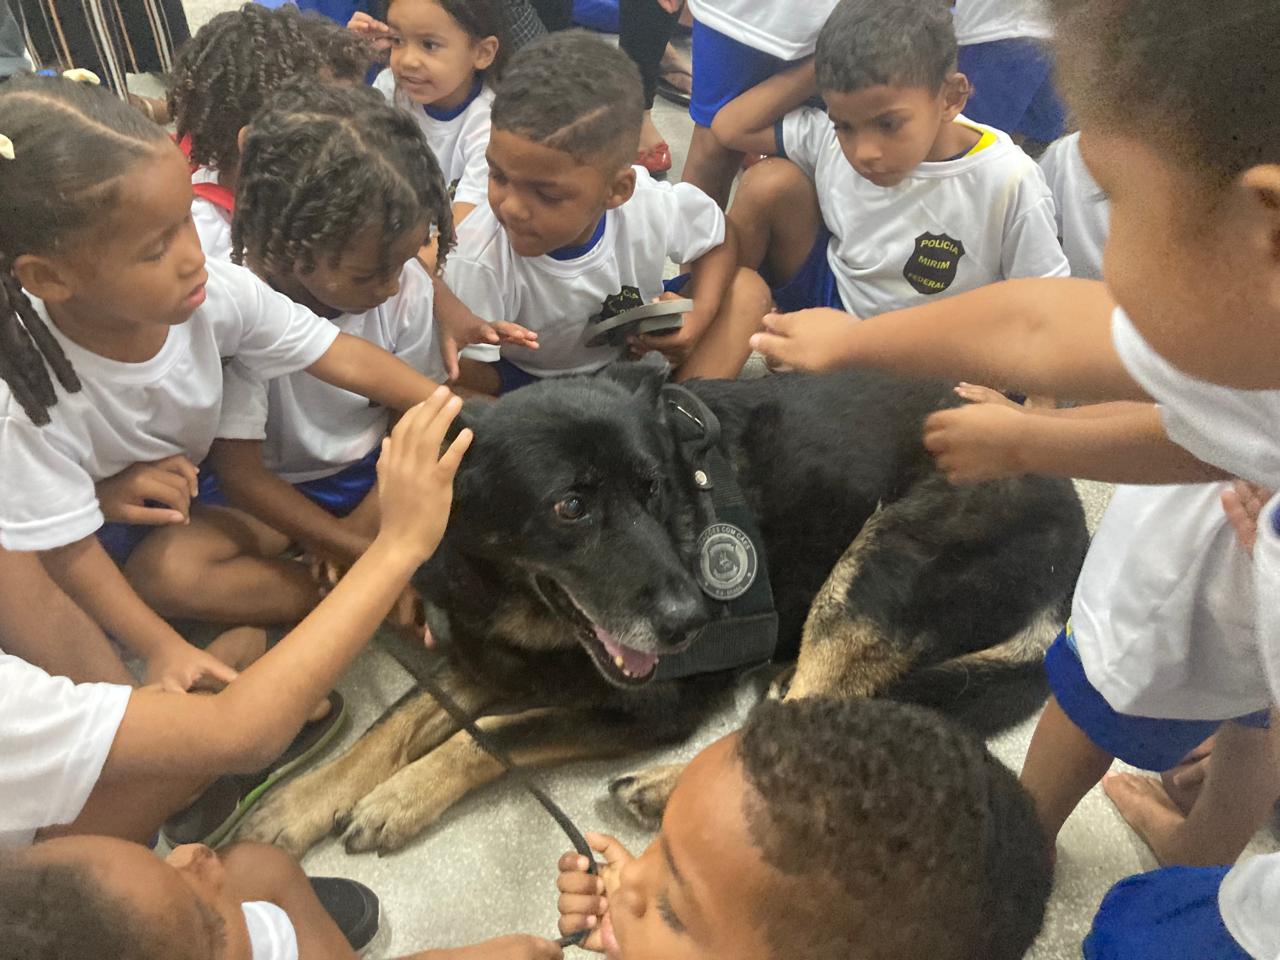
727 562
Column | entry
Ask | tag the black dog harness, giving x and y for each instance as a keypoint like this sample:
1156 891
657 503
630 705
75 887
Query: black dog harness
730 564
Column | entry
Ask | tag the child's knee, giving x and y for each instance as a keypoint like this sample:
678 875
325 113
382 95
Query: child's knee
168 566
748 300
774 182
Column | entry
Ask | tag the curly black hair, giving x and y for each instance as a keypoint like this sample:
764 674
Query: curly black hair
896 834
53 911
72 142
226 72
865 43
323 161
480 19
573 92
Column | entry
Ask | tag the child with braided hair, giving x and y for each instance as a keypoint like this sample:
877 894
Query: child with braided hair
337 192
104 274
225 74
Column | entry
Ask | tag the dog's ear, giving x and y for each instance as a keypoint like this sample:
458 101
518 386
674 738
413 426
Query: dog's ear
643 377
473 412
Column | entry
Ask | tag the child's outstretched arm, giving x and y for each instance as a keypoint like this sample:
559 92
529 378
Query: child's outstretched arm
747 123
355 364
1044 336
1115 443
460 327
95 583
249 485
249 723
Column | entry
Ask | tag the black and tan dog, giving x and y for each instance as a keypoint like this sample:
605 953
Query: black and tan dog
565 577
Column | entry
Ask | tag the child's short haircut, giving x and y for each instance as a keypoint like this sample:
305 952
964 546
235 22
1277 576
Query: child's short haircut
51 911
896 834
906 43
323 161
225 73
573 92
1197 79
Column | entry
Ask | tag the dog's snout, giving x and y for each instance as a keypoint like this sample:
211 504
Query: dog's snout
678 614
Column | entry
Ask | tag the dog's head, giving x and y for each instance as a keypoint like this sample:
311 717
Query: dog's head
574 493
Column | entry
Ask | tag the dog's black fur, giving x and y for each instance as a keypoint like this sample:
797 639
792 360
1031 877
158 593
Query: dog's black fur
519 585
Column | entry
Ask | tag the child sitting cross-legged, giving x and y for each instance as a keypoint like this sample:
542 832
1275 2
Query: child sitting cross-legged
825 830
573 234
891 196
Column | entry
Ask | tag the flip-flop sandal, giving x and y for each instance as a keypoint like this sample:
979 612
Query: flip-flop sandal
352 906
663 316
669 91
216 812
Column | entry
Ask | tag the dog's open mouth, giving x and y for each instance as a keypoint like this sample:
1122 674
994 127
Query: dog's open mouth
620 664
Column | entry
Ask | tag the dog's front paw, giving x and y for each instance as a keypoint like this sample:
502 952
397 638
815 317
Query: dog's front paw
390 817
299 815
644 794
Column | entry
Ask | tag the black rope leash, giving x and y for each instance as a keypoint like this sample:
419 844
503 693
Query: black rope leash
490 746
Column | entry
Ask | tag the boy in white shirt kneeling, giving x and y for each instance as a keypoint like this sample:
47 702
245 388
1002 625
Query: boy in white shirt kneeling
892 195
573 234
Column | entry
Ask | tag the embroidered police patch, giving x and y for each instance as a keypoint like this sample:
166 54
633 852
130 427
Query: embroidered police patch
933 264
727 562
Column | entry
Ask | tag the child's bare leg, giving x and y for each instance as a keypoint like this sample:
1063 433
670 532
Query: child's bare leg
1184 782
725 347
239 647
1240 789
776 218
224 568
711 166
475 376
1062 765
132 808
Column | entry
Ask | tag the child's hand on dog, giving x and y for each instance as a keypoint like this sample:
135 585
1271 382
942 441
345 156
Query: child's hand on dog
157 493
816 340
584 897
979 442
415 480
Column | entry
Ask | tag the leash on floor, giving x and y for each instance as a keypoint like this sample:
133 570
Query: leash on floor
486 743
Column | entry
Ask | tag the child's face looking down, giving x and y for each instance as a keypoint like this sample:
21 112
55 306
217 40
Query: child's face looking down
358 280
886 131
544 198
697 892
181 901
433 59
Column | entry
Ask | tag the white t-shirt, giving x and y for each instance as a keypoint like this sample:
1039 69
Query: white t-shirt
54 737
271 932
213 223
127 413
1084 215
950 226
1237 430
1163 611
459 138
312 429
982 21
787 31
559 298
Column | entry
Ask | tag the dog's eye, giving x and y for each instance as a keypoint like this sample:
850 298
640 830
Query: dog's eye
571 508
655 489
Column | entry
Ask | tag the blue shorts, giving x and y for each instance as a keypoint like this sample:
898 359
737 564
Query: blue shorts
121 539
1013 87
1169 914
814 284
724 69
1146 742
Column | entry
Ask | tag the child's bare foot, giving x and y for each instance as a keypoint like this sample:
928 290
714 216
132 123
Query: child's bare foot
1146 807
976 394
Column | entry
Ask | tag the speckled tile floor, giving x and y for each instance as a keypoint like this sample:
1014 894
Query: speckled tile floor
487 867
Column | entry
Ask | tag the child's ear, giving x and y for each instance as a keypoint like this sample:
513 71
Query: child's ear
1262 194
486 51
955 95
623 186
241 137
48 279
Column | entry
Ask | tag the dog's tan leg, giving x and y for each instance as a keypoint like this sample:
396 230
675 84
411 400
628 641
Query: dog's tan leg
301 813
842 655
414 798
644 794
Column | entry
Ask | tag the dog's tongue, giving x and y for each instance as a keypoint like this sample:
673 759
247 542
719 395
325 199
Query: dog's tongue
634 662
